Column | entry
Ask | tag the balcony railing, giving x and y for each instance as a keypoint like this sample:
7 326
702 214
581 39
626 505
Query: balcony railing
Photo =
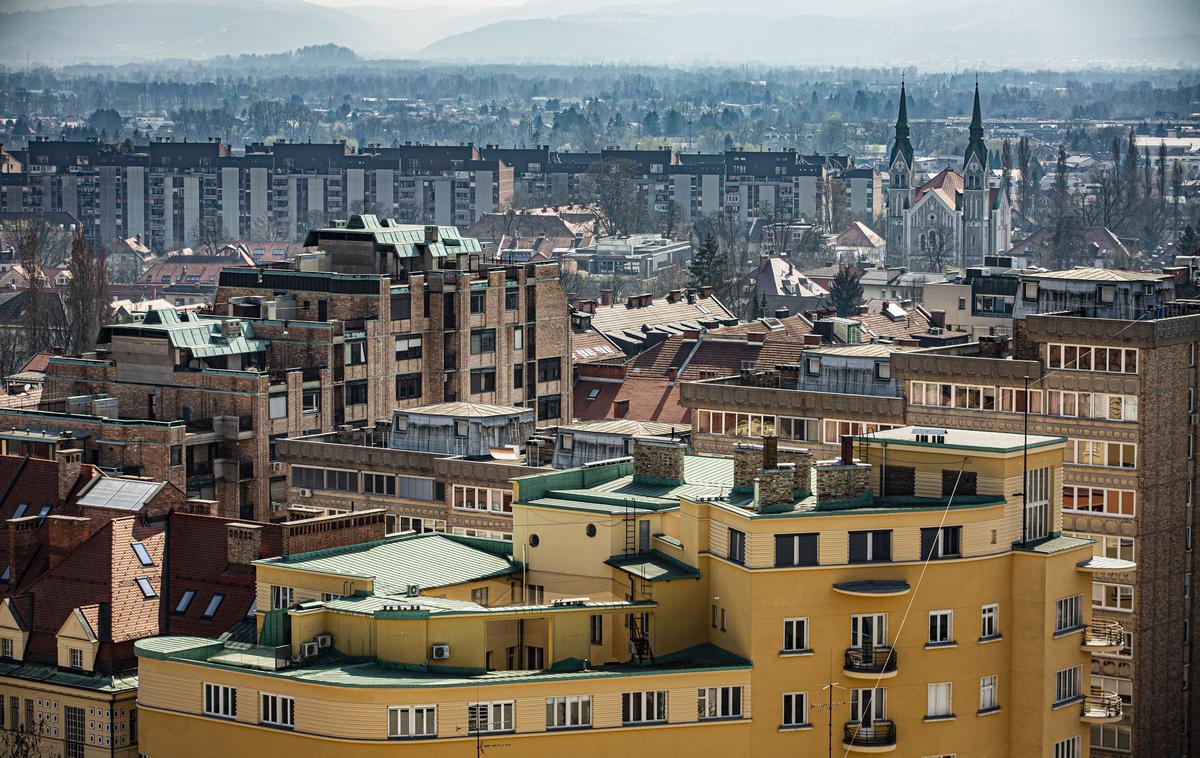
1101 706
1104 634
879 659
878 734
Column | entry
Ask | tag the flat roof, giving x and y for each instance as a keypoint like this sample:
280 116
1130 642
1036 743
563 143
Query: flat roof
473 410
1098 275
963 439
426 560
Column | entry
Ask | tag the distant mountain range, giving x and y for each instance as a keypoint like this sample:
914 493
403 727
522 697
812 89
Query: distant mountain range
935 34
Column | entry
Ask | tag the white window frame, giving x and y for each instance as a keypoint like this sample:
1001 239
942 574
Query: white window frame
940 700
277 710
76 656
1124 597
403 721
797 630
1068 614
1068 685
499 715
1110 737
1113 501
1068 748
719 702
220 700
636 706
569 712
941 627
989 616
281 597
791 712
989 693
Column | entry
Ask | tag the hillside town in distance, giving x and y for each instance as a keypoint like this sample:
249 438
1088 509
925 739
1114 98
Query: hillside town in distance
359 408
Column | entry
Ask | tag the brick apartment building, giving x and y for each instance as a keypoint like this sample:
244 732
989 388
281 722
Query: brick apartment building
386 316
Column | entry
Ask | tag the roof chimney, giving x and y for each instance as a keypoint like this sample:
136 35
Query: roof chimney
770 450
70 461
24 537
937 318
65 534
756 338
607 296
620 408
657 460
847 449
243 543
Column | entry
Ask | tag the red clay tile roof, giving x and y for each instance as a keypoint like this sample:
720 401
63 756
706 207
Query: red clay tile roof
1102 237
879 324
590 345
619 317
197 560
948 183
858 234
36 363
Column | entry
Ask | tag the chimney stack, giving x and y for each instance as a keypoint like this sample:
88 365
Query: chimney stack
243 543
621 408
65 534
937 318
770 452
658 461
606 297
24 537
201 507
847 450
70 462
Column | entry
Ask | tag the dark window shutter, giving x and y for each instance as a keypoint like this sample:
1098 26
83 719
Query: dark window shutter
807 550
882 546
928 541
784 553
858 546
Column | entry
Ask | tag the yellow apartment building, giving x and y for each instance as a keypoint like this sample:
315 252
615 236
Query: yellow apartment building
914 596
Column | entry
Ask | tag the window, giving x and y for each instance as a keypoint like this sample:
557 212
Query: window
378 484
147 589
6 651
1108 454
1020 401
479 596
835 429
483 380
1037 504
1069 748
412 721
1122 360
795 635
220 700
719 703
1067 684
74 730
489 717
799 429
510 300
795 709
1106 737
939 700
356 392
479 301
883 371
535 594
941 627
483 341
482 499
870 547
519 380
281 597
549 369
310 401
737 546
1110 502
76 656
549 406
278 406
796 549
142 555
213 606
1112 597
355 352
568 712
408 386
989 622
643 707
941 542
278 710
408 346
1068 613
416 488
988 698
597 625
868 630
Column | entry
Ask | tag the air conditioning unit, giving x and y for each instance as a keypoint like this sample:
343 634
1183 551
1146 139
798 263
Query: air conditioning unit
324 641
414 590
276 467
1194 418
309 649
439 652
569 601
302 492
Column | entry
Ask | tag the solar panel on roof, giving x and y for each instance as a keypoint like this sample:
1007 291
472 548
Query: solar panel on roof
126 494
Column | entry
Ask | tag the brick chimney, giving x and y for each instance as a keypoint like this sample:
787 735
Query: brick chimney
621 408
756 338
243 543
66 533
674 296
69 463
802 459
201 507
24 537
842 480
812 340
586 306
657 460
746 459
937 318
607 297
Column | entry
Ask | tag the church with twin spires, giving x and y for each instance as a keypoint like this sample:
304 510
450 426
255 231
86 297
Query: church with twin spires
955 218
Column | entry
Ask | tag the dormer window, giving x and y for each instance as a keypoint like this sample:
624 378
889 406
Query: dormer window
147 589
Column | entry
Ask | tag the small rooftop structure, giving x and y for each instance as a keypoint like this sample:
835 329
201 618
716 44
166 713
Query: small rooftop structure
469 429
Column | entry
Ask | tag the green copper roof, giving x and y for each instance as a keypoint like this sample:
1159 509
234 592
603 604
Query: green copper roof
37 673
653 566
427 560
976 146
902 145
405 240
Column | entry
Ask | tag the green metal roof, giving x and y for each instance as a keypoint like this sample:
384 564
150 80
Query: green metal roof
43 674
427 560
653 566
405 240
335 670
1055 544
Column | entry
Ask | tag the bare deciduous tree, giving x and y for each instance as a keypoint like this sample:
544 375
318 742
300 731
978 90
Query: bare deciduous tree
610 188
87 296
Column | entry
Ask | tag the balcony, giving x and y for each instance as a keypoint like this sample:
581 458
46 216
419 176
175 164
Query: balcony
1100 707
877 662
880 737
1103 636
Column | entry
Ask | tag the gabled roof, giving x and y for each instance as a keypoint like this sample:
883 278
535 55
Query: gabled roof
777 276
858 234
625 322
119 493
947 183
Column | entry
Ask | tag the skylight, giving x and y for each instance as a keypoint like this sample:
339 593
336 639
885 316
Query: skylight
593 393
20 511
147 589
7 575
213 605
185 601
142 555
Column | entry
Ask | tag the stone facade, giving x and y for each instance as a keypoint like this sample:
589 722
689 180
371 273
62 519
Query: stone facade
835 482
658 461
775 487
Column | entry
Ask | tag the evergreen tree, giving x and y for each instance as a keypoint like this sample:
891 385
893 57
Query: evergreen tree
708 265
650 125
1006 164
1189 243
1131 169
1023 162
845 292
1067 238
